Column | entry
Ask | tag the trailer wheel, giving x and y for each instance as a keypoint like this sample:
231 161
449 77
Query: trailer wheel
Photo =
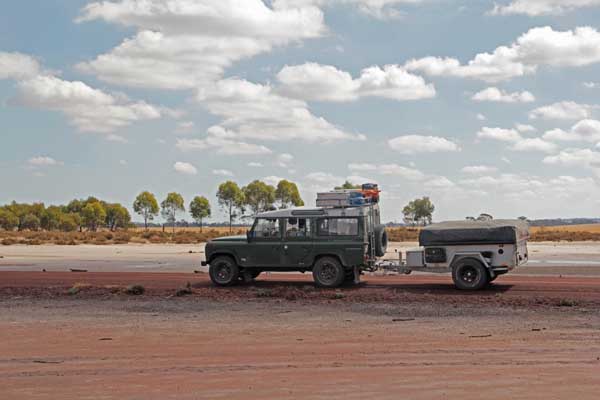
223 271
469 274
328 272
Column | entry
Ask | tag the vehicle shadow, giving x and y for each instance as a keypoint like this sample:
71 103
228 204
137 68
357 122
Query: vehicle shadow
422 288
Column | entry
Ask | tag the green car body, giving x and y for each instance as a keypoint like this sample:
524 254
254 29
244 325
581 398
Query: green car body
295 239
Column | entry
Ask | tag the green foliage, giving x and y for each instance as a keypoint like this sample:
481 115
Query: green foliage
287 194
117 216
419 212
348 186
93 215
24 212
231 199
259 196
8 221
30 222
146 206
171 206
69 222
51 218
200 209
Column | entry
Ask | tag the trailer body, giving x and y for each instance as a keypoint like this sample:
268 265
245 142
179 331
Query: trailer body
475 252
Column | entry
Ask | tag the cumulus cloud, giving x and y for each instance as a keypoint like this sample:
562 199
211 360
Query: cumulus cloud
587 130
535 144
312 81
542 46
185 168
43 161
388 169
222 142
494 94
18 66
503 135
564 110
182 44
574 157
534 8
88 109
255 111
412 144
185 127
255 164
518 143
478 169
380 9
222 172
524 128
283 160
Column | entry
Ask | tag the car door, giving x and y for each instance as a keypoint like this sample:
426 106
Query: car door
297 242
265 243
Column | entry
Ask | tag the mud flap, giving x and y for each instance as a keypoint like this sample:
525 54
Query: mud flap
247 277
356 275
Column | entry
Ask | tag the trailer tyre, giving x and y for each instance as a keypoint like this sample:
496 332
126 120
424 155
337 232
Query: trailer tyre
381 240
470 274
223 271
328 272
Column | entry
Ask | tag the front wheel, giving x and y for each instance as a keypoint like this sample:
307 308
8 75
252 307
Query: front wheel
223 271
470 274
328 272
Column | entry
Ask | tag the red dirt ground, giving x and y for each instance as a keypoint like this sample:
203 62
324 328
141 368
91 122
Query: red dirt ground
412 337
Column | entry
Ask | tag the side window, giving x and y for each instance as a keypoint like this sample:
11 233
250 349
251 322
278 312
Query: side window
338 227
267 229
297 228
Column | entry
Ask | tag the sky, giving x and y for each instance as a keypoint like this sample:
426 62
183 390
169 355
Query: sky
484 106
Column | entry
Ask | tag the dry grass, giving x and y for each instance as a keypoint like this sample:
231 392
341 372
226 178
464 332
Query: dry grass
138 236
568 233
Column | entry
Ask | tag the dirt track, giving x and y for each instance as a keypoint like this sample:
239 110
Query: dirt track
521 290
394 337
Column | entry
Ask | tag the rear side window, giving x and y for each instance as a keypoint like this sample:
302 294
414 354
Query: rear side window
337 227
297 228
267 228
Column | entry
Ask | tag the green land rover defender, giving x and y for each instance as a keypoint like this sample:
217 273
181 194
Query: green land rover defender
335 243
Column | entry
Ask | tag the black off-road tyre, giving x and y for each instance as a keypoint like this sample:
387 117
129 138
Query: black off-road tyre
223 271
328 272
381 240
470 274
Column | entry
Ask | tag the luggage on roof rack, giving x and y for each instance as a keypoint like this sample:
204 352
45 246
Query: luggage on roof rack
368 194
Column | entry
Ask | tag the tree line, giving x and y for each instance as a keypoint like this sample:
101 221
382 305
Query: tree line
92 213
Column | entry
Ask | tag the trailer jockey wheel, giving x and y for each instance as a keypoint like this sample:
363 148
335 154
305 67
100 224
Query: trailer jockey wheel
469 274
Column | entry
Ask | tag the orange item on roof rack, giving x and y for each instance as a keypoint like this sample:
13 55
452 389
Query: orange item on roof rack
371 191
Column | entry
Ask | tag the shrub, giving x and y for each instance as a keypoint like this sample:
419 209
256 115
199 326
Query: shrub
135 290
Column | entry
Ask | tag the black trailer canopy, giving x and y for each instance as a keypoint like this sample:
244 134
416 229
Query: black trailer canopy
474 232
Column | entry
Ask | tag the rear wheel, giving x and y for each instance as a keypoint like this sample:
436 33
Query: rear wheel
223 271
470 274
328 272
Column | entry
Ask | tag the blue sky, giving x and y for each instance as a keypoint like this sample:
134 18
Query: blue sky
484 106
